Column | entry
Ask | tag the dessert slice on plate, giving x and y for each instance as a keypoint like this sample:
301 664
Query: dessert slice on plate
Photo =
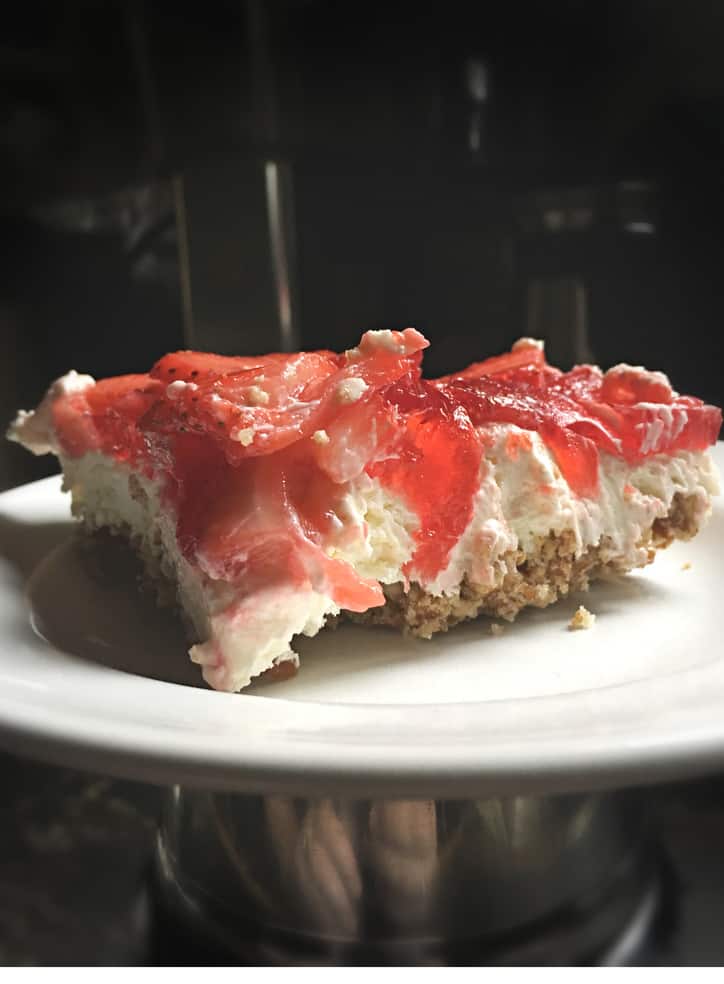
277 492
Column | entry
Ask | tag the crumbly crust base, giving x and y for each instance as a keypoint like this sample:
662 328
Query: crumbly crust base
539 578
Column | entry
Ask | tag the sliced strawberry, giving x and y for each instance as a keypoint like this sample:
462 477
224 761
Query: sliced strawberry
281 400
703 424
199 366
525 357
685 425
104 417
248 411
75 426
641 410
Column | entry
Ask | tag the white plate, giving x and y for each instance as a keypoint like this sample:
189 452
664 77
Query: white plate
638 697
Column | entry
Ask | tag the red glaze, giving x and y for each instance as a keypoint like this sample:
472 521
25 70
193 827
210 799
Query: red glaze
105 417
267 522
257 452
625 412
522 357
259 406
435 469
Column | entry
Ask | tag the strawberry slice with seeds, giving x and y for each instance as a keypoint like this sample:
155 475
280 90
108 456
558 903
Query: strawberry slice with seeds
198 366
281 399
104 417
524 357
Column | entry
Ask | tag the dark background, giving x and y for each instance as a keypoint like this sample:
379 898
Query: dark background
481 171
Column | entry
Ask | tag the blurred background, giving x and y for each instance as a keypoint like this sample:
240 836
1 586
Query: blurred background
246 176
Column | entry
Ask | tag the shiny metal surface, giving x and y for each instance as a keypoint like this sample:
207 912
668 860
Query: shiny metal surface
411 875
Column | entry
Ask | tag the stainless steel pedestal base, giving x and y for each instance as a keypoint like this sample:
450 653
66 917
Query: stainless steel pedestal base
521 880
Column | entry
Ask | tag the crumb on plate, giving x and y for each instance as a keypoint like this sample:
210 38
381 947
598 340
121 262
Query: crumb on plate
582 619
496 629
686 566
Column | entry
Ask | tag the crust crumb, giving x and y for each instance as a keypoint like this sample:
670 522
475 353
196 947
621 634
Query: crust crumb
582 619
496 629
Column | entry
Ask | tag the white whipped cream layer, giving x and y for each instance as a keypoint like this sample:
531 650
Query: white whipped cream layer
378 531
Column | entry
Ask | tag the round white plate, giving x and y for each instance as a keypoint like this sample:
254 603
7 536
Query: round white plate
85 661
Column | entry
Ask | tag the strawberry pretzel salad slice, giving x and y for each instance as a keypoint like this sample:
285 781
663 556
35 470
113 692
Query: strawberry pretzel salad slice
280 492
